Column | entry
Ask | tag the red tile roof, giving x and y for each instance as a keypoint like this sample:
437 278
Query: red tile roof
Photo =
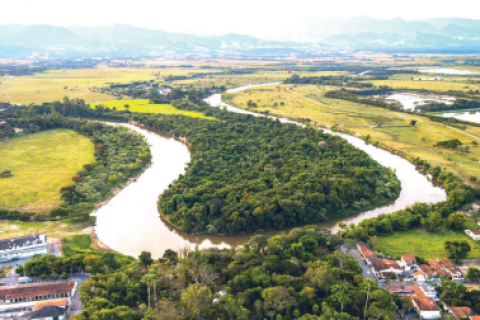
384 264
425 304
55 303
34 290
419 292
366 251
408 258
427 270
461 312
475 232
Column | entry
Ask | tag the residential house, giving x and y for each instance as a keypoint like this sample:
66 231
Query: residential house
419 275
474 318
366 253
426 307
408 261
445 268
18 129
428 290
461 313
22 247
427 271
385 268
401 288
451 268
474 234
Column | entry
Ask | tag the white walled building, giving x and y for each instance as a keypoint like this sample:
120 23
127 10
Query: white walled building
22 247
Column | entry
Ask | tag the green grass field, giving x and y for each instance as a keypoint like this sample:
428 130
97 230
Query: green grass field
41 164
143 106
423 244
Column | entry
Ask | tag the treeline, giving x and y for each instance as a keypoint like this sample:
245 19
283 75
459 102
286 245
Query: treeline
328 80
459 104
351 95
428 216
250 173
300 275
20 70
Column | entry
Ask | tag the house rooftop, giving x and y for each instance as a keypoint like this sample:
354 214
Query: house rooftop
10 244
383 264
426 269
57 303
475 232
461 312
36 290
409 258
426 304
418 291
48 312
366 251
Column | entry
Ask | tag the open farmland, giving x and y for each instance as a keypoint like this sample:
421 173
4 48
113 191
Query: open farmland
84 84
41 164
143 106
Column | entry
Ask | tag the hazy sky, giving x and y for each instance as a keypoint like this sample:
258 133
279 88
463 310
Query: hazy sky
212 17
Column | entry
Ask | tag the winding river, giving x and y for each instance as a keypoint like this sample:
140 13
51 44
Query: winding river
129 223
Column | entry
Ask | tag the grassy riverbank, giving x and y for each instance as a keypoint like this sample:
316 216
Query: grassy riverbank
41 164
391 129
428 245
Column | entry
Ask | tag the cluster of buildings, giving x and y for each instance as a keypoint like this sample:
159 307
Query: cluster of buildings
414 280
42 301
33 301
408 269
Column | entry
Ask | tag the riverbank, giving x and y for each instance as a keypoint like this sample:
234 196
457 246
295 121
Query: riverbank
130 223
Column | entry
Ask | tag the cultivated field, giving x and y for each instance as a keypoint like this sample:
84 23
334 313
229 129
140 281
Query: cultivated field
143 106
41 165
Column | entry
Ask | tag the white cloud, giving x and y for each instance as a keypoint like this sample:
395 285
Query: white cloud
261 18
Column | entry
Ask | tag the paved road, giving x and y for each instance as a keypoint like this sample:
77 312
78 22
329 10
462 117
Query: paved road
77 306
367 272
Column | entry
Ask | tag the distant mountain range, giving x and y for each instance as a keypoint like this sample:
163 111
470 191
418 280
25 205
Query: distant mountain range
308 35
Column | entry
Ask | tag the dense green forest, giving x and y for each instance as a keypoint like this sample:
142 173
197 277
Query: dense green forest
301 275
119 155
250 173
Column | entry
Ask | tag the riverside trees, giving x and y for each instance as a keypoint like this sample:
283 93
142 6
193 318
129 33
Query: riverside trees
251 173
295 276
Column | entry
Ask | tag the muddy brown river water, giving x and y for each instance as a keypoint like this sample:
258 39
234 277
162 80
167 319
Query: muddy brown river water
129 223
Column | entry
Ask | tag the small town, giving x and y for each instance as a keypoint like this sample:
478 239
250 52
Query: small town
24 298
408 277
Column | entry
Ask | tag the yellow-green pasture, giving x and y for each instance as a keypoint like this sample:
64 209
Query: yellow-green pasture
41 164
143 106
438 85
83 83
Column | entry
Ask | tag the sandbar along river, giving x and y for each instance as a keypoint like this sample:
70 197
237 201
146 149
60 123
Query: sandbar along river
129 223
